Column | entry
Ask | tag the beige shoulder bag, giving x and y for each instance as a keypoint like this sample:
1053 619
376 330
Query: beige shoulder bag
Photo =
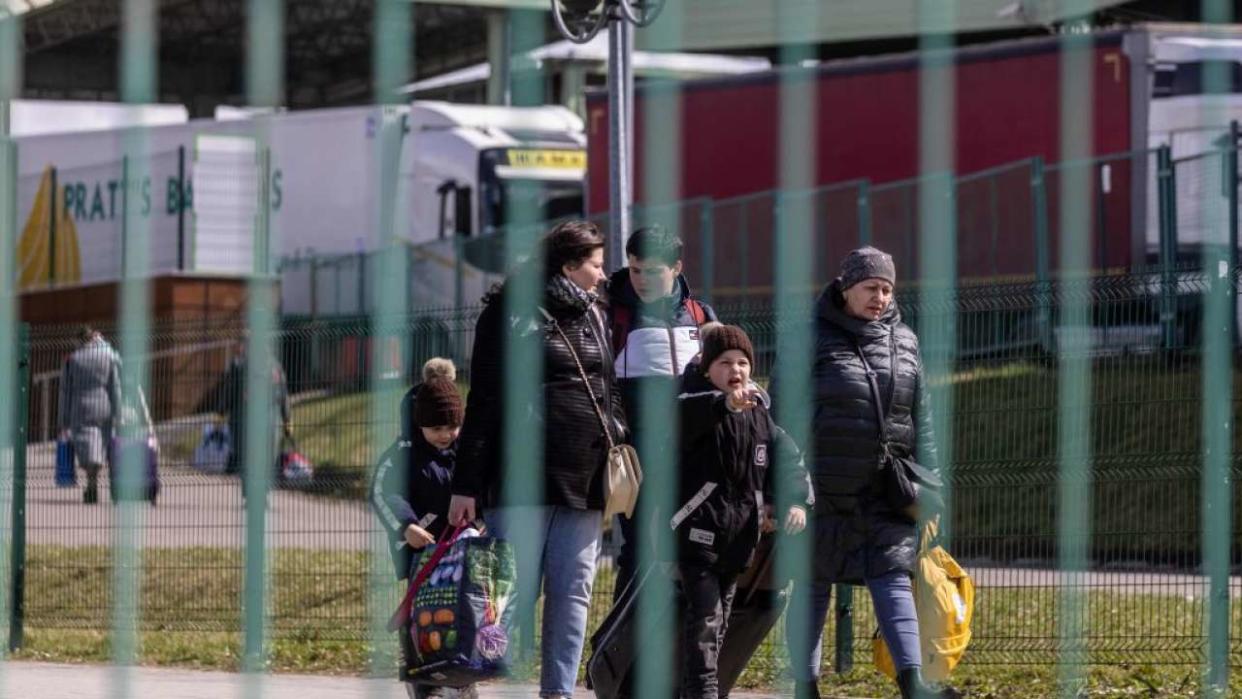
623 474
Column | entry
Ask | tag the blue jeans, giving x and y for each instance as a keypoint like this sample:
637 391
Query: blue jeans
893 598
556 548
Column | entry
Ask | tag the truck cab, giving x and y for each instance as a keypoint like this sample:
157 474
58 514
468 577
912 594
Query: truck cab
472 173
474 170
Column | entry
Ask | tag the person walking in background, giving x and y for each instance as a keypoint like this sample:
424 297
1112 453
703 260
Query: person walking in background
732 456
410 491
558 540
656 325
859 538
90 405
233 403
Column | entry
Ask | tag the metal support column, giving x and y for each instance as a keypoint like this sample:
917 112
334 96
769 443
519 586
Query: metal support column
620 123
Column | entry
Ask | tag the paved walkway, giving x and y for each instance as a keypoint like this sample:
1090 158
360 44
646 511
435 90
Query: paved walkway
26 680
194 509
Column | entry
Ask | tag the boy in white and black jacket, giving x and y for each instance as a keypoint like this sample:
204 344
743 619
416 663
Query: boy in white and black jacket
733 456
656 322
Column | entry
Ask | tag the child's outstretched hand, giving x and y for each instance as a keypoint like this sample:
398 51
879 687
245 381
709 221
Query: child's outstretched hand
417 537
741 399
795 520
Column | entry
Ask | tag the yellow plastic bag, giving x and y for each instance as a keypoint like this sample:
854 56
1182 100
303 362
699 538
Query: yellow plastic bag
944 597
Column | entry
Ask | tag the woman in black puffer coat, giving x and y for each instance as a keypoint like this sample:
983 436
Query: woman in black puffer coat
555 531
859 538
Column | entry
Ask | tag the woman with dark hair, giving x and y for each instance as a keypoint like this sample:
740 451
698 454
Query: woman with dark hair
860 539
556 534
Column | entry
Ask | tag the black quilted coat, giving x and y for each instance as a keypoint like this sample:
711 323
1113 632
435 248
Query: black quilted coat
574 446
857 535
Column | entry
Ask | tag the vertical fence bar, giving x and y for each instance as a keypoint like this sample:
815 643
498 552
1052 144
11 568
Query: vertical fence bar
181 204
994 228
138 86
522 379
793 276
1219 256
1231 186
265 384
1167 192
12 557
864 213
1074 348
707 249
392 66
1043 256
51 231
657 406
937 274
18 427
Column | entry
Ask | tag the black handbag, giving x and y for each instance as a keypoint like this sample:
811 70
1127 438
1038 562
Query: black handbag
909 487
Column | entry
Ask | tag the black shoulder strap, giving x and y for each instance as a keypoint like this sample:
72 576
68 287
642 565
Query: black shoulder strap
881 408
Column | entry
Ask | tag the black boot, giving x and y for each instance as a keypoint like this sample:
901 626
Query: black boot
90 495
911 684
806 690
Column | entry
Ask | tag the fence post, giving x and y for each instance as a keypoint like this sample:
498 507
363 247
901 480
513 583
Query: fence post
1043 255
361 266
1231 181
864 213
51 231
844 661
17 552
124 216
1167 197
707 249
180 208
314 287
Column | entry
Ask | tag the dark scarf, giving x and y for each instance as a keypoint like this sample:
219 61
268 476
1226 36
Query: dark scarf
563 296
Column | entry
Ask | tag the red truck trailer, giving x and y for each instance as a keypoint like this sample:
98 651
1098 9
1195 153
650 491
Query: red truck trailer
1146 90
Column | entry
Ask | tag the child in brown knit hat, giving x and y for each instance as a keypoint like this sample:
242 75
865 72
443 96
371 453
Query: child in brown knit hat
410 491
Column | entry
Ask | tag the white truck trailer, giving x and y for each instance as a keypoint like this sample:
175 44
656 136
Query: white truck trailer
195 189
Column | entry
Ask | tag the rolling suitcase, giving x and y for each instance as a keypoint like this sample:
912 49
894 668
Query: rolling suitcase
147 445
149 457
613 644
756 608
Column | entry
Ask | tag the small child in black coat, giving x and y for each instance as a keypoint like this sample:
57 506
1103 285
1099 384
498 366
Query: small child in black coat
732 454
410 491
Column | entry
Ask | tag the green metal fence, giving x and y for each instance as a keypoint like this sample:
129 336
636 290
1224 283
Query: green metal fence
1145 594
1006 229
1085 391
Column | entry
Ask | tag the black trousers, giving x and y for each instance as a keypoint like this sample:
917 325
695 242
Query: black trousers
708 598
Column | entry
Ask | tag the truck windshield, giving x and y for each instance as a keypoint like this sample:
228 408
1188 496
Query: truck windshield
530 201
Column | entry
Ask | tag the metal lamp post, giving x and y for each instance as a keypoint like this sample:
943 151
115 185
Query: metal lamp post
580 21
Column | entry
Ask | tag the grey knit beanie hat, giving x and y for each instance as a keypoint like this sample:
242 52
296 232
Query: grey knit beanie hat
867 263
